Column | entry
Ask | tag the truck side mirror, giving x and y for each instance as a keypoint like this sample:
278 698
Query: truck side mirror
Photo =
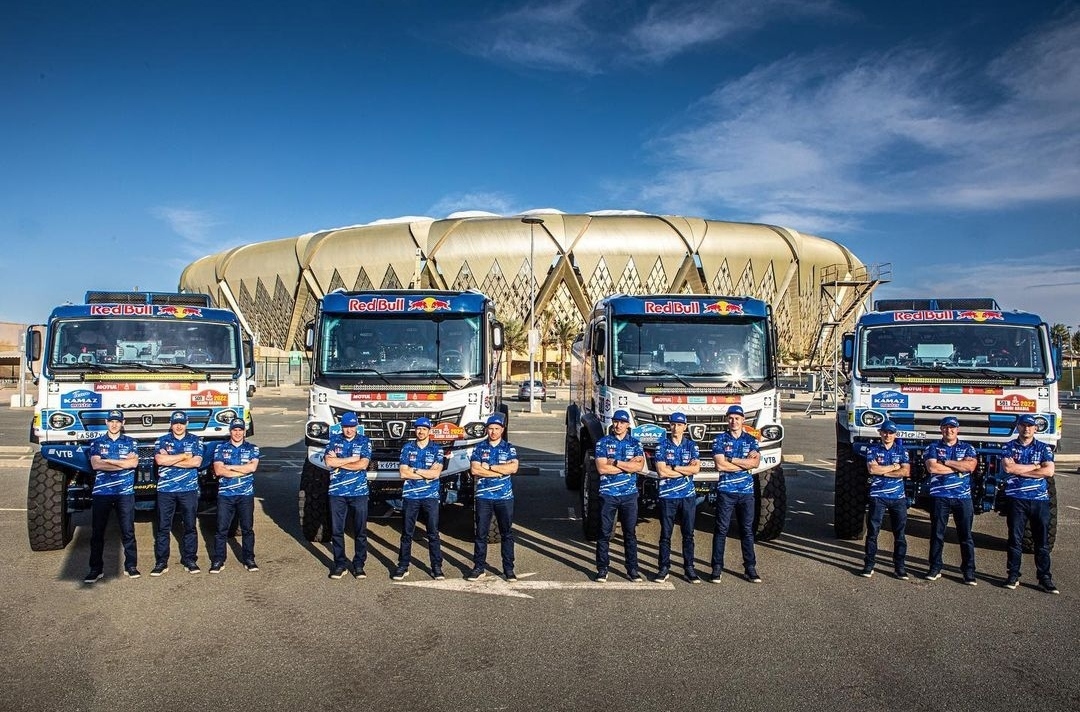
33 346
849 347
309 336
497 336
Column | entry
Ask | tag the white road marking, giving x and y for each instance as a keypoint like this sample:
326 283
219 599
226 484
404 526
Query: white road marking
497 586
12 509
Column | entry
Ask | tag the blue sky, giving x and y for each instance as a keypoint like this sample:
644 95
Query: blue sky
940 137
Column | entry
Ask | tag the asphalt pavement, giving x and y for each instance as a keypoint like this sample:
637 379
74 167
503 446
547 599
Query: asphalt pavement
813 636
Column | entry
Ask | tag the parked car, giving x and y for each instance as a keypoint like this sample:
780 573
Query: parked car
539 390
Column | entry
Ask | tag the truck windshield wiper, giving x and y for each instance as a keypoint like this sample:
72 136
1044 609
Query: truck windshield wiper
377 372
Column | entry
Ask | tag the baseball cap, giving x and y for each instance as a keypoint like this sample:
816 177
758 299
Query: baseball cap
115 415
497 419
1026 420
237 423
887 427
949 420
422 422
735 410
178 416
677 418
621 415
349 420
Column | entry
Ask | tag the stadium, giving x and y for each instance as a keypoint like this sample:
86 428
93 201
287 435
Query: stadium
566 261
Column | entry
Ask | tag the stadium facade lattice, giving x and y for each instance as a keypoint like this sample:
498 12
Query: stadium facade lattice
576 260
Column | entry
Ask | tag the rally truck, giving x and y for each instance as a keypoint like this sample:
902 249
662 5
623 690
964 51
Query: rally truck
392 356
915 361
656 354
144 353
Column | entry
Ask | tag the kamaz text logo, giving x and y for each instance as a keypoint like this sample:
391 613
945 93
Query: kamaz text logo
377 304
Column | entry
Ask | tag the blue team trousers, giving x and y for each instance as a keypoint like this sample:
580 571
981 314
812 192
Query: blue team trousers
742 506
503 511
626 507
167 505
683 509
963 513
411 511
897 509
101 505
1020 512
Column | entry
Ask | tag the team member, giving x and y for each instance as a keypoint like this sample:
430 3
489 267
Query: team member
179 456
348 455
619 459
736 455
1028 463
888 465
492 463
114 458
950 463
677 461
420 465
235 463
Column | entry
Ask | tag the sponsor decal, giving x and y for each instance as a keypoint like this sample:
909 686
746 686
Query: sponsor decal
979 315
1014 404
121 310
889 400
152 386
178 312
80 399
948 315
209 398
133 406
446 431
697 400
723 308
384 397
957 408
648 434
377 304
671 307
429 304
955 390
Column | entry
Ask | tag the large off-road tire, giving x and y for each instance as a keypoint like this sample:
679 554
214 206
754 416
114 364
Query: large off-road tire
849 494
48 521
770 495
1051 537
314 503
590 499
573 464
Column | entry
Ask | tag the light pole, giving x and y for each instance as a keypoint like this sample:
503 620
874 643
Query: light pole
532 222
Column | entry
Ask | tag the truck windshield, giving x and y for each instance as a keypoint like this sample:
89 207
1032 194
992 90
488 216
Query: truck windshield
384 347
956 347
193 345
706 349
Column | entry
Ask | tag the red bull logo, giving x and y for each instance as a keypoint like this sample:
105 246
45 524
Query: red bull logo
670 307
377 304
429 304
178 312
979 315
723 308
121 310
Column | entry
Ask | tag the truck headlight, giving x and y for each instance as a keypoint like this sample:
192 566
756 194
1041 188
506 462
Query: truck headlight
317 430
60 421
475 430
226 417
871 418
772 432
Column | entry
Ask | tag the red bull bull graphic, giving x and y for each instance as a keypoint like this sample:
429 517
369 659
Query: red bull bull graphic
979 315
178 312
429 304
723 308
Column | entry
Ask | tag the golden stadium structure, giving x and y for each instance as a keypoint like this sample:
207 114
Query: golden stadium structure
568 261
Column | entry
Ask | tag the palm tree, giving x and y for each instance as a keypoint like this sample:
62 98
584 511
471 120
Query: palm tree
515 340
1059 334
563 331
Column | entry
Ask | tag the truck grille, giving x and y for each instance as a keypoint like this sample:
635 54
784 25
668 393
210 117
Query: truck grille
389 431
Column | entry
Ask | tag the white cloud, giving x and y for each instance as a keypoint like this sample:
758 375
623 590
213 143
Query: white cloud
552 36
891 132
497 203
192 225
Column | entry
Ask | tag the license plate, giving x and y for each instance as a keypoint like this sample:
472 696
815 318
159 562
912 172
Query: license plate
387 465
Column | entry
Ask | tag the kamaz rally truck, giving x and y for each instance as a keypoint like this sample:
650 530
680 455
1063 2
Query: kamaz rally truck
391 357
145 353
915 361
657 354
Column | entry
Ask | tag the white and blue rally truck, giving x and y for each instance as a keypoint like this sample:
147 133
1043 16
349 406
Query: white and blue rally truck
656 354
392 356
146 354
915 361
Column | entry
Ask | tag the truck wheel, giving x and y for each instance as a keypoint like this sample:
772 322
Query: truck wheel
315 503
770 491
849 494
47 520
590 499
572 462
1051 537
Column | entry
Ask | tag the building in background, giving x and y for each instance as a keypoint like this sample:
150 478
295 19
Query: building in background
568 261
